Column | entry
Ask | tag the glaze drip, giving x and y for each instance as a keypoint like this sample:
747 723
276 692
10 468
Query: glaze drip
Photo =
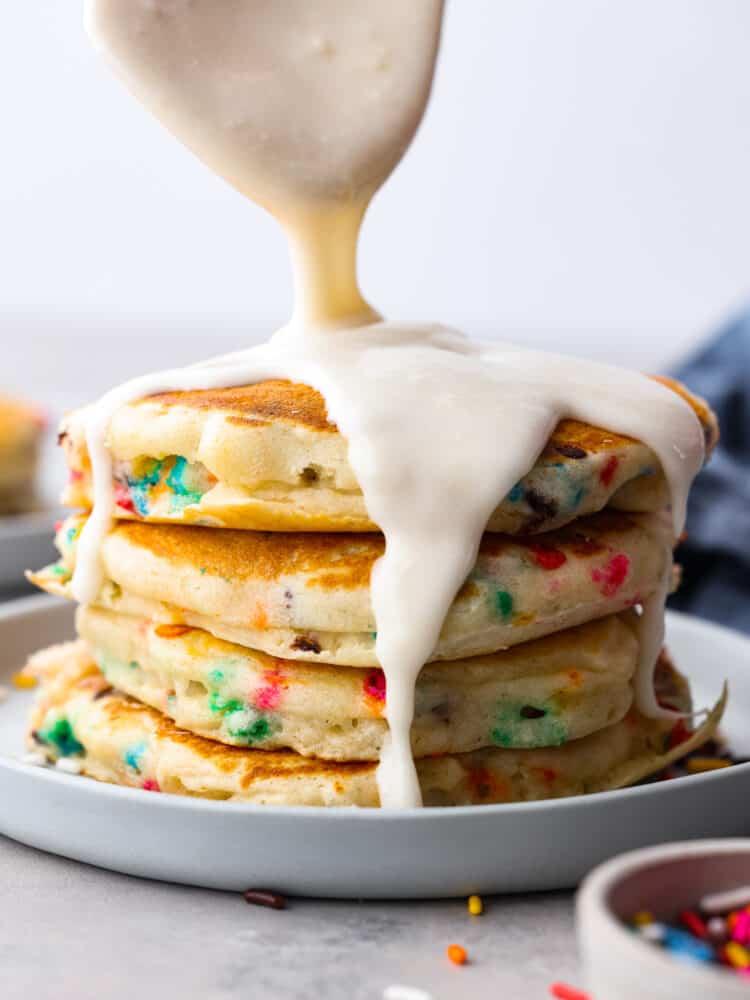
431 467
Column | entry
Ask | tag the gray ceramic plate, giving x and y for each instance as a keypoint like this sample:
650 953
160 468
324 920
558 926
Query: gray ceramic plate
367 853
25 543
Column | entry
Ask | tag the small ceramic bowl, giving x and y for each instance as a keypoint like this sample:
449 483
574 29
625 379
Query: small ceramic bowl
664 880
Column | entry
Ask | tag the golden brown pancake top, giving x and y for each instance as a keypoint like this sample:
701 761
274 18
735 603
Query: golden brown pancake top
331 560
341 561
259 403
279 399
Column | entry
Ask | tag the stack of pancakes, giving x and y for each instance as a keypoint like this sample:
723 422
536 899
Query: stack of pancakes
230 653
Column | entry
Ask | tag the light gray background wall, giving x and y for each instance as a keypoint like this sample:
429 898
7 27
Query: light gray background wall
580 180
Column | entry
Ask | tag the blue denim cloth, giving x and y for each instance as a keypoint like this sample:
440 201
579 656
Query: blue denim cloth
716 555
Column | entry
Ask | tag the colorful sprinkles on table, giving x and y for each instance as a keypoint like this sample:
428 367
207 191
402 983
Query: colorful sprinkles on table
457 954
561 991
264 897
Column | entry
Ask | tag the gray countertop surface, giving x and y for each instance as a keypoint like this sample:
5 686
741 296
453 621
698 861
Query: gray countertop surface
68 930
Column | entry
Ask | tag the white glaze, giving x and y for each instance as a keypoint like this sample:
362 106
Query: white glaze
439 428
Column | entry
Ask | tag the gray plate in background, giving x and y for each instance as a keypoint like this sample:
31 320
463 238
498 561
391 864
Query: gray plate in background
26 542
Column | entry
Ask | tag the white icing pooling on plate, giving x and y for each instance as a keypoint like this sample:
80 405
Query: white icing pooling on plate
306 107
439 429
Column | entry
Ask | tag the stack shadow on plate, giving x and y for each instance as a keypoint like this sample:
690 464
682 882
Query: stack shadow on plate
230 653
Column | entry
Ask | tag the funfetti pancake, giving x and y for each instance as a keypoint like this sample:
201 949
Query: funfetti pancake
266 457
542 693
118 740
21 426
307 596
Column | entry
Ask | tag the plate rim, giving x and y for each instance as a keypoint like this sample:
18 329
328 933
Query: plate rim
35 604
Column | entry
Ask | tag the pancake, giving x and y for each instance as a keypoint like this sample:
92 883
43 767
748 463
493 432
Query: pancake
118 740
265 457
307 596
21 426
542 693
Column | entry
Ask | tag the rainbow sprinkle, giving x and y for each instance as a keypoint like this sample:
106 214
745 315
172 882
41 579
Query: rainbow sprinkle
60 735
457 954
612 576
702 935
